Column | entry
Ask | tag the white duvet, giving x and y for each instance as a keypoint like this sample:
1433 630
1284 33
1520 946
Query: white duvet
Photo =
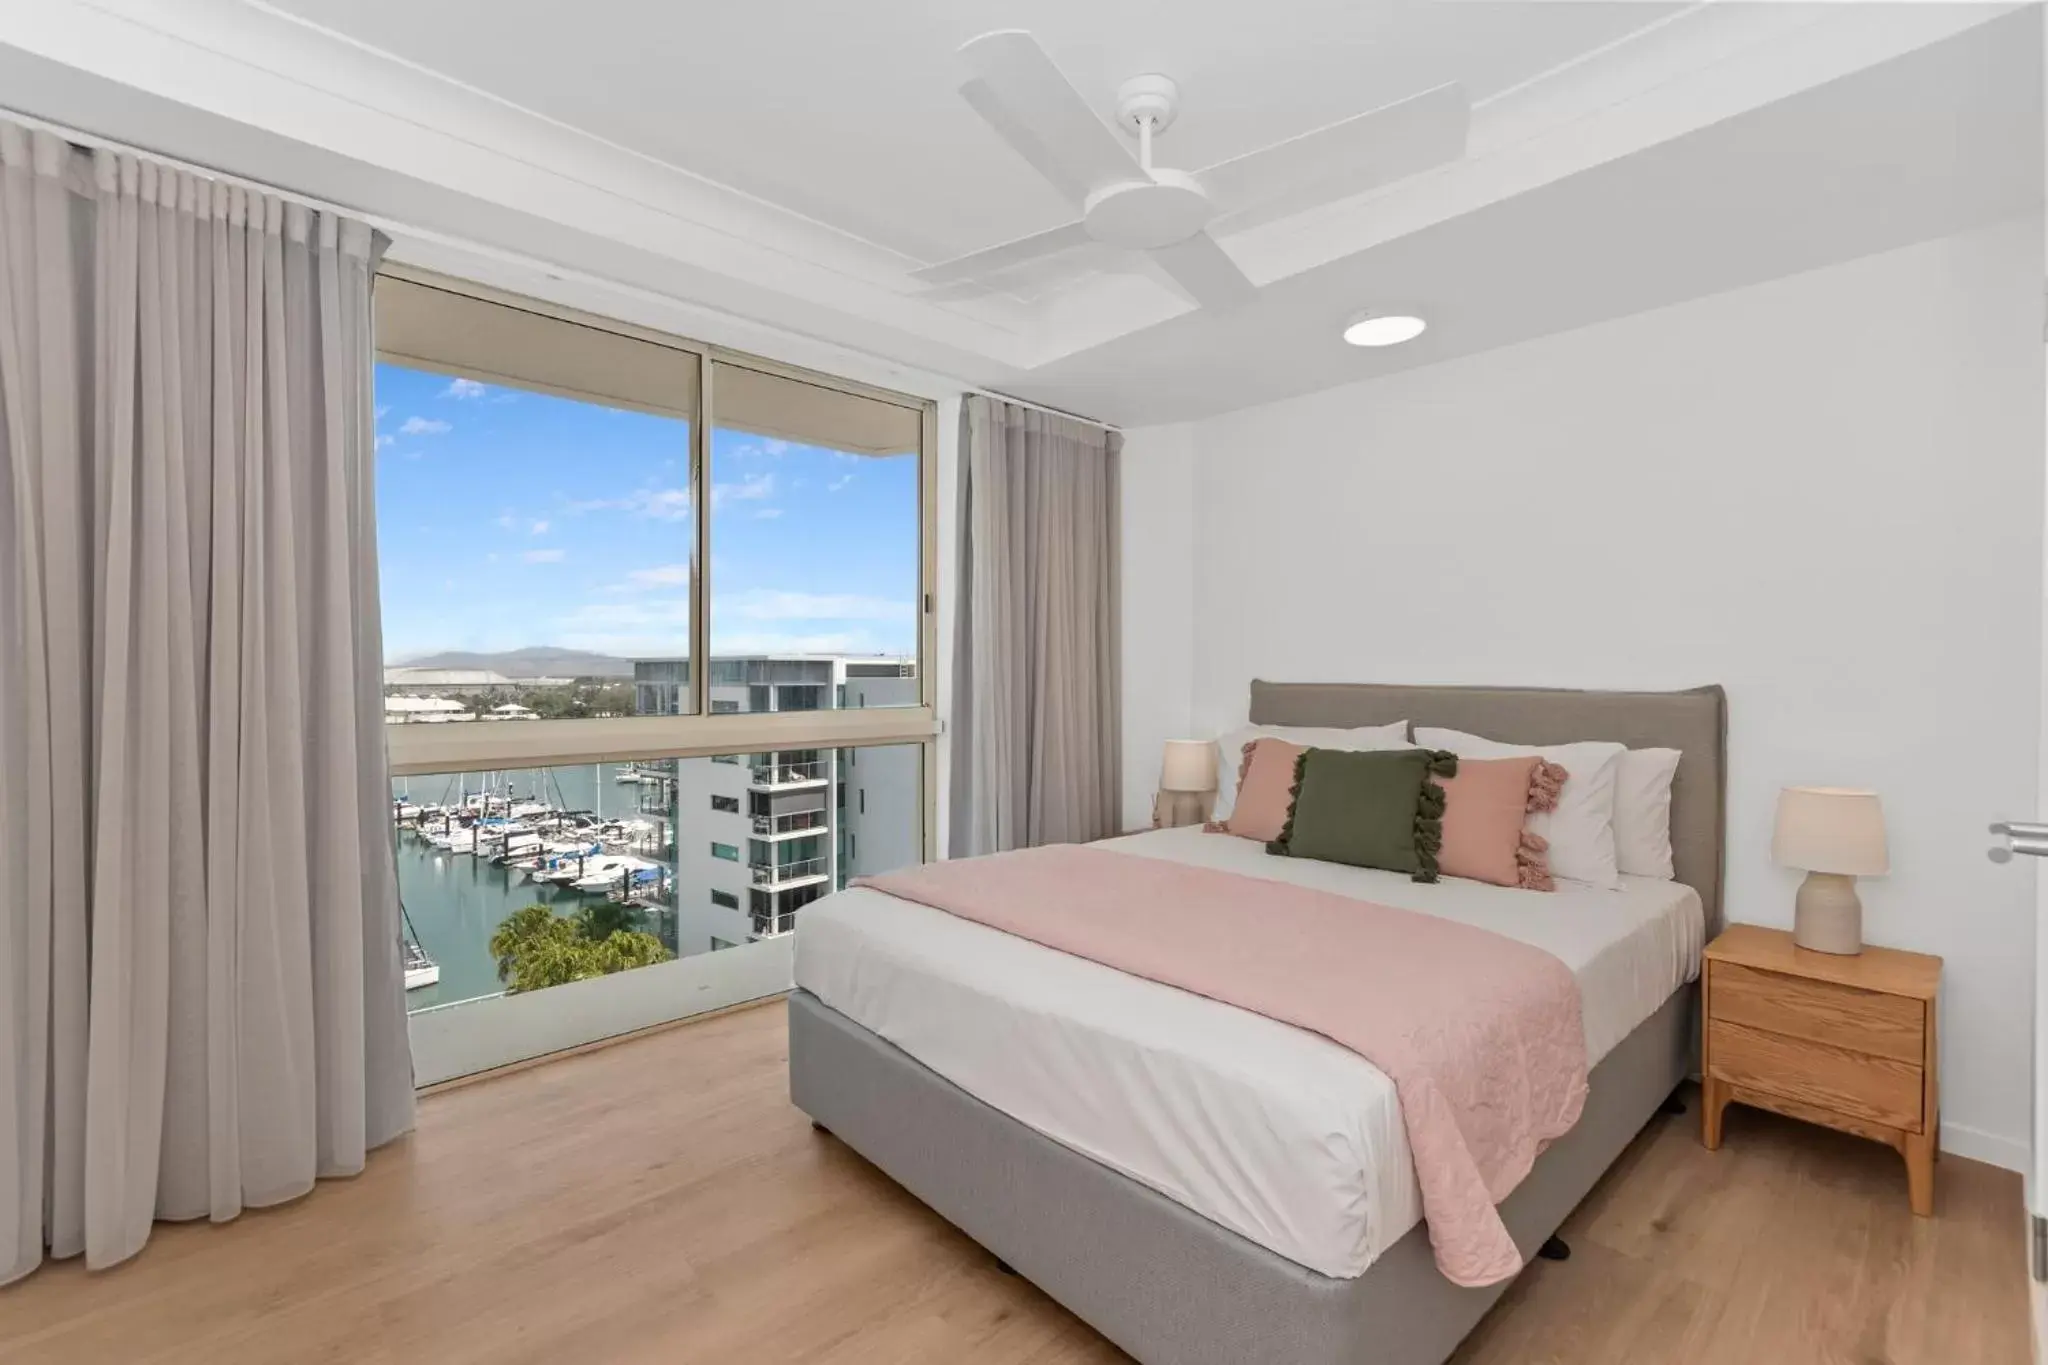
1274 1132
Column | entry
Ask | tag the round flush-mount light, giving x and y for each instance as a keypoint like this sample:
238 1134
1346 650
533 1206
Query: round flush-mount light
1388 329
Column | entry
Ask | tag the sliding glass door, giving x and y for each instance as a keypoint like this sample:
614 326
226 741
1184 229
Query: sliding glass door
593 835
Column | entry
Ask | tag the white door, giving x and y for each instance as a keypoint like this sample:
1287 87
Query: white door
2031 839
2017 837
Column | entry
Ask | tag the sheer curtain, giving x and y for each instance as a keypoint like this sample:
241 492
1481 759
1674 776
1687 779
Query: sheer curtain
1037 747
201 993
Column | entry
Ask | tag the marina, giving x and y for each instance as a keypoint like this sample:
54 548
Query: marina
473 848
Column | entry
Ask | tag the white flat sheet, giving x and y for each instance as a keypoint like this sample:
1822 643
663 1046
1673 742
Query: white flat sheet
1272 1131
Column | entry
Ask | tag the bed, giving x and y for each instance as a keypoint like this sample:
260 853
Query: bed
1202 1184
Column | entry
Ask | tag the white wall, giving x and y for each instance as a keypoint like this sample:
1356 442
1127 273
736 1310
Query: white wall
1156 475
1824 493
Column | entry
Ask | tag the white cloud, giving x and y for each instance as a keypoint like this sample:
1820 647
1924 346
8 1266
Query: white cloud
423 426
673 504
768 514
831 642
538 528
386 442
774 446
749 489
465 388
382 410
839 483
773 604
544 556
761 621
662 504
657 643
660 576
506 521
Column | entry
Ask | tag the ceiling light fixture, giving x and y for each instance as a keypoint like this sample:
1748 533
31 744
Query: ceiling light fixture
1389 330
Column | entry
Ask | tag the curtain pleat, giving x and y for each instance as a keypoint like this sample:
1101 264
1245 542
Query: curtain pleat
202 1000
1037 749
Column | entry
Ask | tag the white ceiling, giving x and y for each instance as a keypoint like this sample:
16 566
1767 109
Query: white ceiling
1939 140
766 175
848 114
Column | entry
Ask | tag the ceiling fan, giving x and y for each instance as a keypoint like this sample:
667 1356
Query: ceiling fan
1128 202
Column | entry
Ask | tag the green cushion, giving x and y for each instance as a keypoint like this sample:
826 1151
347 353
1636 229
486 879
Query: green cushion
1377 809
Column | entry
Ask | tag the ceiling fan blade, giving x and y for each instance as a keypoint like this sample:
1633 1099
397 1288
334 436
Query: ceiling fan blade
1342 159
1014 85
1205 272
990 260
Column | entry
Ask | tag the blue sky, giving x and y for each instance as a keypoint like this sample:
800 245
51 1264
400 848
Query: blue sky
508 518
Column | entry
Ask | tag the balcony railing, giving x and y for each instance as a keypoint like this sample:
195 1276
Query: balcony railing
795 822
782 874
773 923
788 774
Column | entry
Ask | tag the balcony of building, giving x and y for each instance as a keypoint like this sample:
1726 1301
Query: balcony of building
773 913
780 875
791 824
775 772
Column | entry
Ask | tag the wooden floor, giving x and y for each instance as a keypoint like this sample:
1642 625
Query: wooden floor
660 1201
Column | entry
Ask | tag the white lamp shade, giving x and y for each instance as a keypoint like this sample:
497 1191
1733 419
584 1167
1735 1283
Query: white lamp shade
1189 766
1831 829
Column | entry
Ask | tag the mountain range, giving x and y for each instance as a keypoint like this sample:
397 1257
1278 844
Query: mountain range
535 661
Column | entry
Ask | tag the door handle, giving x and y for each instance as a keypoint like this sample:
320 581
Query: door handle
2021 837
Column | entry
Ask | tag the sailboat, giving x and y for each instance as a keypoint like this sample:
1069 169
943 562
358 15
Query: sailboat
421 971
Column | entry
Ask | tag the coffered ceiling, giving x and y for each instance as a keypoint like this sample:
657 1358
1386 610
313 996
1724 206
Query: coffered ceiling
768 174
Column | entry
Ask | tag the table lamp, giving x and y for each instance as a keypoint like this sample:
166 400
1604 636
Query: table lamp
1836 835
1187 783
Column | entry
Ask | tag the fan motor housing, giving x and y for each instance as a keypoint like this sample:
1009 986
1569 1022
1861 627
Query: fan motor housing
1141 214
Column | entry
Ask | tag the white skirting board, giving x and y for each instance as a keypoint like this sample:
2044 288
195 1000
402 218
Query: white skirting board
2013 1154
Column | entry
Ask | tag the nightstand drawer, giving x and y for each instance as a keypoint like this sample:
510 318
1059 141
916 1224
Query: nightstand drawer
1818 1075
1861 1021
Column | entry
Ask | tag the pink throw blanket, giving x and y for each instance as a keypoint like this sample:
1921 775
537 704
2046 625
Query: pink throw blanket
1480 1034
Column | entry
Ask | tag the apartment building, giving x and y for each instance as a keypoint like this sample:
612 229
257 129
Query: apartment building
759 836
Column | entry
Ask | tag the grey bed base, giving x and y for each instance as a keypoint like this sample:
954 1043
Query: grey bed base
1165 1284
1169 1286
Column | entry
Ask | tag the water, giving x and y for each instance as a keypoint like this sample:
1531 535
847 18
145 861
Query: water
456 902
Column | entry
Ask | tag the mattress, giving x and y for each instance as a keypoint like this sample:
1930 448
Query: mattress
1276 1133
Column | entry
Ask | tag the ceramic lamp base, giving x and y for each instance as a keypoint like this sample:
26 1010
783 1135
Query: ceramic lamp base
1828 917
1171 810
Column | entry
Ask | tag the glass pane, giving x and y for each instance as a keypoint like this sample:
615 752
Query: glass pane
516 881
815 546
535 552
694 854
880 811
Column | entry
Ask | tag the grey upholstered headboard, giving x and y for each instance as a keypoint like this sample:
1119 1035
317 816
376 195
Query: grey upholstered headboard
1693 722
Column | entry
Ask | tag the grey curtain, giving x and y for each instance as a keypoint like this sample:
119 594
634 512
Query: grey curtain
201 998
1037 743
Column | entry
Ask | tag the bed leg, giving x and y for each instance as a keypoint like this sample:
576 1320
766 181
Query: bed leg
1555 1249
818 1127
1672 1104
1005 1266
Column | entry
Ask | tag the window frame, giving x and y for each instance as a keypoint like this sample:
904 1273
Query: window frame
426 749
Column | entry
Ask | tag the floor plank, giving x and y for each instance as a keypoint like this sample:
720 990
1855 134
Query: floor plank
661 1201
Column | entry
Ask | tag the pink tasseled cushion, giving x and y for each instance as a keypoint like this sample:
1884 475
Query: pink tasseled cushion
1265 791
1485 807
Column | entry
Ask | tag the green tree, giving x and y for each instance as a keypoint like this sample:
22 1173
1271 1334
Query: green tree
599 920
535 948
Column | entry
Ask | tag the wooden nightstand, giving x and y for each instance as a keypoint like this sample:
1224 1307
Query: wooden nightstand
1844 1041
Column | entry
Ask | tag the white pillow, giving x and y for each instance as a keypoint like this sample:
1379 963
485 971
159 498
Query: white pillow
1230 757
1642 812
1581 829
